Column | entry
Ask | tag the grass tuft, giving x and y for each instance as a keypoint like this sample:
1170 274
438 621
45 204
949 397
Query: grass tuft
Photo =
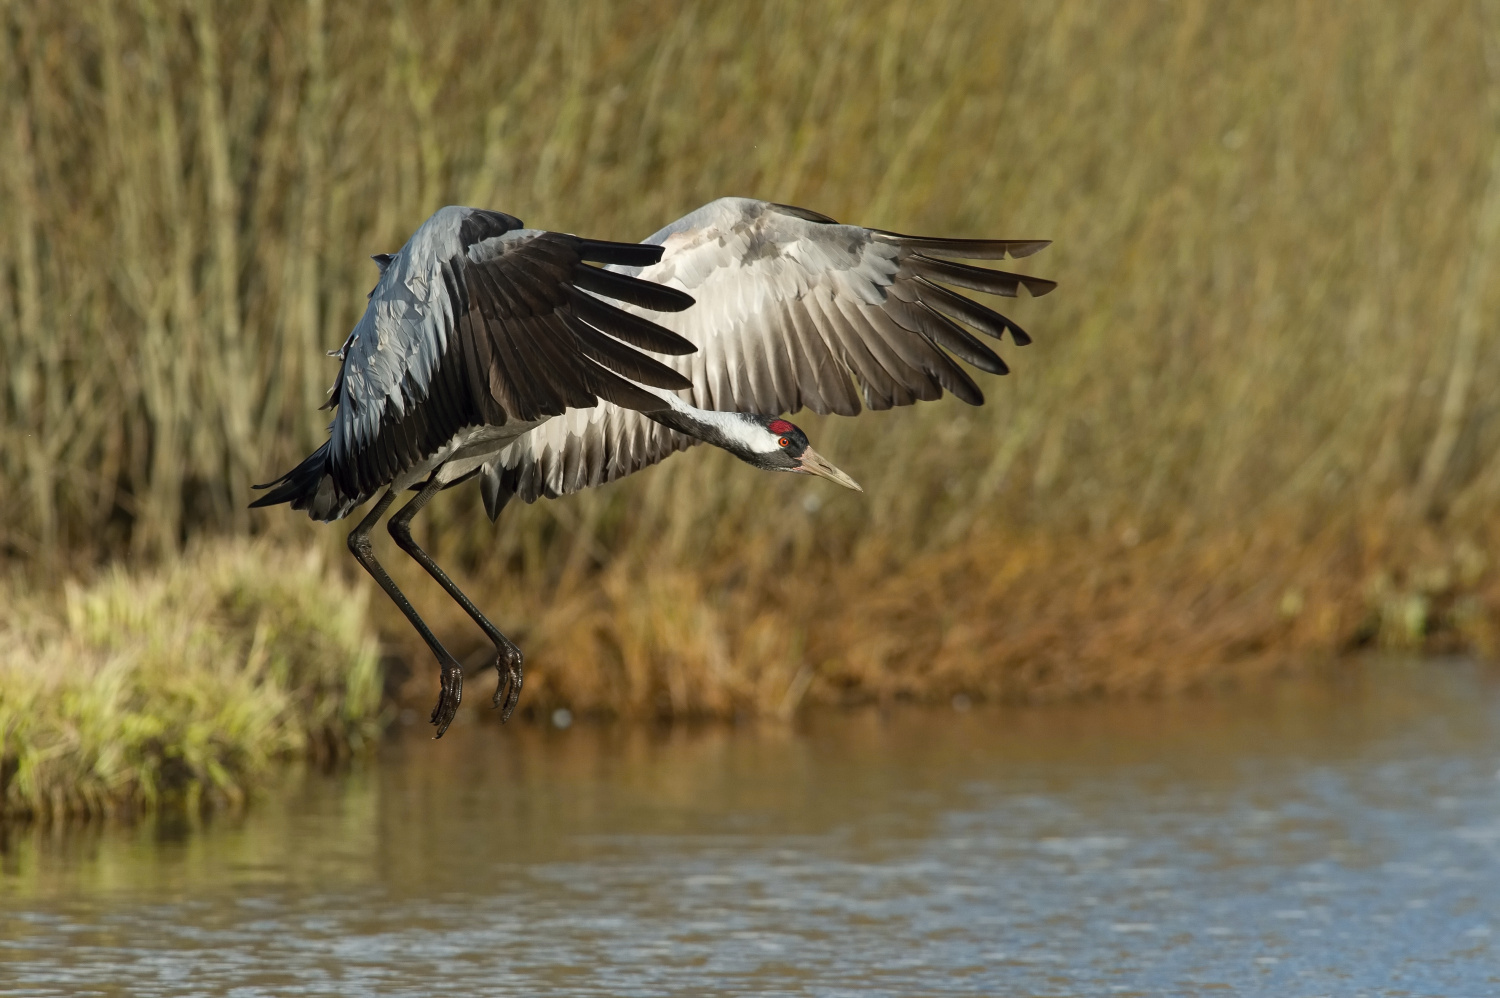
181 684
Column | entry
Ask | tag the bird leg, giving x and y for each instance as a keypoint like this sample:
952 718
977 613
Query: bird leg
507 655
453 673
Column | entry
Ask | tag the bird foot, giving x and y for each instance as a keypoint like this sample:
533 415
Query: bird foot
452 693
508 689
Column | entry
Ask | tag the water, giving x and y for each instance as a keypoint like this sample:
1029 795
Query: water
1340 838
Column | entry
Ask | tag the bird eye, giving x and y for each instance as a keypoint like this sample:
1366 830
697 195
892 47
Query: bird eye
783 441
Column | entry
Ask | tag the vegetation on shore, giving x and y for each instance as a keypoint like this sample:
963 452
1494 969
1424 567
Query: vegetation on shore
1004 616
1260 422
182 684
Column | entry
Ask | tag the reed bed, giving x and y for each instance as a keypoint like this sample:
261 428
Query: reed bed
1259 421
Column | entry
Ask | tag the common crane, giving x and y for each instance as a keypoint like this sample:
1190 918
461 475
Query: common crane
488 349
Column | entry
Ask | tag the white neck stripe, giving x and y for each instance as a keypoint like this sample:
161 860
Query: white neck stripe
732 425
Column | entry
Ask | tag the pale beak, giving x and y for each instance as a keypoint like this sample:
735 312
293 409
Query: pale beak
814 463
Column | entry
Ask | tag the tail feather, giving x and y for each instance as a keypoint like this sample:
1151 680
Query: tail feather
309 486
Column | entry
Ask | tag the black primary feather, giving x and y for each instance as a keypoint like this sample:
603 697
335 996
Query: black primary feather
657 297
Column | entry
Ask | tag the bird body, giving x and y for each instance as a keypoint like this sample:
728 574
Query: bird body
494 350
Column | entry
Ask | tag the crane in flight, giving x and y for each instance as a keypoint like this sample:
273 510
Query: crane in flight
494 351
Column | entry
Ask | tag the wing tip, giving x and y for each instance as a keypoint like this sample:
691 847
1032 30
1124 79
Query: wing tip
965 249
1003 283
1026 247
620 254
634 290
806 214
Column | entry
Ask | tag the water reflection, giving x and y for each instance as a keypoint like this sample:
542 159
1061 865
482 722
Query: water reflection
1339 838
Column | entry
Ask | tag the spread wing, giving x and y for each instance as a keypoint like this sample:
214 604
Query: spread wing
792 310
478 321
791 306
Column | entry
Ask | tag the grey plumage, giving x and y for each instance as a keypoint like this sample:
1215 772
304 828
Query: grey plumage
491 349
478 322
796 304
792 310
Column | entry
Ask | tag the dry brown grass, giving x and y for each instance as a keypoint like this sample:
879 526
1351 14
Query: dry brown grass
1268 381
1002 616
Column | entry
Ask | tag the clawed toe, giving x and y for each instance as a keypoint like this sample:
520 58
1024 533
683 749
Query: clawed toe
448 699
507 693
508 689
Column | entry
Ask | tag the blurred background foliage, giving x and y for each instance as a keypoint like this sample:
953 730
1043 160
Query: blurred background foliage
1260 419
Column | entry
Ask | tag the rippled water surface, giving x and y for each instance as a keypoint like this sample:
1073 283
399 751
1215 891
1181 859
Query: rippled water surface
1339 838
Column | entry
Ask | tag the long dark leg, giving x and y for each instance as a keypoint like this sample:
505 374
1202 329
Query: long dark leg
507 655
453 673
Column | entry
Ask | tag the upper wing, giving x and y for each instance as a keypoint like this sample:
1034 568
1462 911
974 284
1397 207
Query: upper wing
791 304
478 321
583 448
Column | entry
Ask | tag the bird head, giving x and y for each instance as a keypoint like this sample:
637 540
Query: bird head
773 444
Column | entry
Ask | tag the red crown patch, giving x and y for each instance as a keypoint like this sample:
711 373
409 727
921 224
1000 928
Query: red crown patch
781 426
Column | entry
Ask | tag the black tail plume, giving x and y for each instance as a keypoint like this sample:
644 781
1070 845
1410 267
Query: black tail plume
309 486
